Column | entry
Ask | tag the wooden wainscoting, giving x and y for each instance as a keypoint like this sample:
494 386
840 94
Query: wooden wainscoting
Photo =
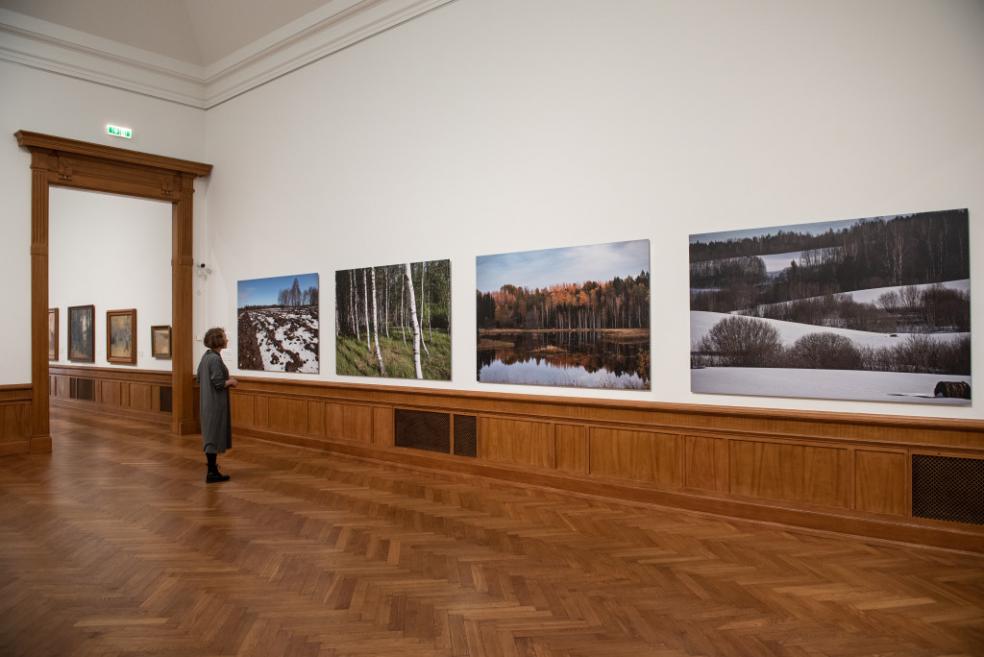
832 471
144 394
15 419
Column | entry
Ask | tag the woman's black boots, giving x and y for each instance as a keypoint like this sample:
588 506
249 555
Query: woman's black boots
214 476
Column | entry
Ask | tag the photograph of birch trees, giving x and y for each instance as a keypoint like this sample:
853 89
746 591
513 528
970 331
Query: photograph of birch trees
394 321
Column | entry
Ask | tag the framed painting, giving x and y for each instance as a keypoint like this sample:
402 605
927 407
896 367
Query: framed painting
82 334
160 342
52 334
121 336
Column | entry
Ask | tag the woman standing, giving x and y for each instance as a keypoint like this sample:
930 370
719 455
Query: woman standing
214 380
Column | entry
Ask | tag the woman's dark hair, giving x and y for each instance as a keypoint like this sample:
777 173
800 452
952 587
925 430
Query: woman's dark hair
214 337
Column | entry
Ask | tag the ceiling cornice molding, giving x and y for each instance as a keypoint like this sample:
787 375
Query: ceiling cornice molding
329 29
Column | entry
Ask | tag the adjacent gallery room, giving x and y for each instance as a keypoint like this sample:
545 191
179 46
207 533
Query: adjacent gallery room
456 328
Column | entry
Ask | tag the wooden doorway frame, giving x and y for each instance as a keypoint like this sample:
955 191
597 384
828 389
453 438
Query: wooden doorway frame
60 162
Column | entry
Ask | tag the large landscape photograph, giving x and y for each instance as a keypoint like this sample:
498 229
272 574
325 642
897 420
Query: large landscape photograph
575 316
874 309
394 321
278 324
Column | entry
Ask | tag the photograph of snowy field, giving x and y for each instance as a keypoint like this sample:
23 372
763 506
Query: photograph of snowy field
576 317
278 324
874 309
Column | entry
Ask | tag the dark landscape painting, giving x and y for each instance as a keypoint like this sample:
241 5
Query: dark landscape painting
576 316
394 321
278 324
874 309
81 334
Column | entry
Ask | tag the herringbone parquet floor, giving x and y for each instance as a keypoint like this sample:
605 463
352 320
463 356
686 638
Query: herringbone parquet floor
113 546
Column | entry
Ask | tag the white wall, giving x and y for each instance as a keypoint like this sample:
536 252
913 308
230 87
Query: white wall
489 127
44 102
113 252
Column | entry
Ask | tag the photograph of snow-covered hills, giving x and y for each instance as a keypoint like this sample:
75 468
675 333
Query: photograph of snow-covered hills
278 324
874 309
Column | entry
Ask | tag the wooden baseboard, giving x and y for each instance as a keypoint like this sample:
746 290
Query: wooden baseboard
828 471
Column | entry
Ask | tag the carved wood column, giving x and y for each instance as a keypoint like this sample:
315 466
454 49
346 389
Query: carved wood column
40 433
182 279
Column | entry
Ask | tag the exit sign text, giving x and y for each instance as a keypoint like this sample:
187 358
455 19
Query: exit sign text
118 131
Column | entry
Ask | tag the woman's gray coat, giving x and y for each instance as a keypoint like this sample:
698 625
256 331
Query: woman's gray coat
216 424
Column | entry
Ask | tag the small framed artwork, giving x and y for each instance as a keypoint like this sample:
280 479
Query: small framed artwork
160 342
82 334
52 334
121 336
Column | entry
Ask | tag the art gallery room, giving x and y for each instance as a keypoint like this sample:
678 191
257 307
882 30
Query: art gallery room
491 328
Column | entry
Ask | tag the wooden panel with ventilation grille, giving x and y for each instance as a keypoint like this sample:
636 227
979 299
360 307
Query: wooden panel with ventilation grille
948 488
165 400
465 435
83 389
423 430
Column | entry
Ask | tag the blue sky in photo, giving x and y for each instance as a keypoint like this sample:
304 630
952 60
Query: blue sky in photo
576 264
263 291
812 229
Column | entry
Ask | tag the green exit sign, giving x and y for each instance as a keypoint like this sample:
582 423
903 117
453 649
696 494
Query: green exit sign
117 131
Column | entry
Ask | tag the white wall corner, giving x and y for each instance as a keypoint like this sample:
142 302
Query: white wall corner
338 24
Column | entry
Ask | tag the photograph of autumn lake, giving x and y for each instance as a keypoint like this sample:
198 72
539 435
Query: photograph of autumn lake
573 317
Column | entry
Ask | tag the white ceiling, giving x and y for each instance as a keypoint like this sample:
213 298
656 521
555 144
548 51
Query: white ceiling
194 31
194 52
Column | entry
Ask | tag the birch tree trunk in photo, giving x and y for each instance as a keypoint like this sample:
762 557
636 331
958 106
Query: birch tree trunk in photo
423 272
365 305
403 314
413 321
354 306
375 325
430 331
386 300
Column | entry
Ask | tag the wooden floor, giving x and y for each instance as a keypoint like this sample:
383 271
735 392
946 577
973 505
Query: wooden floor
113 545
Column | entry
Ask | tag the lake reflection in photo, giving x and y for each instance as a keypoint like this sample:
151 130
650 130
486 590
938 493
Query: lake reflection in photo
616 359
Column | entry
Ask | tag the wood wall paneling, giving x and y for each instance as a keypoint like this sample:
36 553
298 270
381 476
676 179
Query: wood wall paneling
316 418
518 442
241 410
261 415
140 396
825 470
571 448
706 465
791 473
382 424
647 456
287 415
15 419
880 482
357 423
126 392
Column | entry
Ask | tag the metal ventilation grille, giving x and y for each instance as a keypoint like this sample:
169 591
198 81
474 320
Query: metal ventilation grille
165 399
423 430
465 435
84 389
948 488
